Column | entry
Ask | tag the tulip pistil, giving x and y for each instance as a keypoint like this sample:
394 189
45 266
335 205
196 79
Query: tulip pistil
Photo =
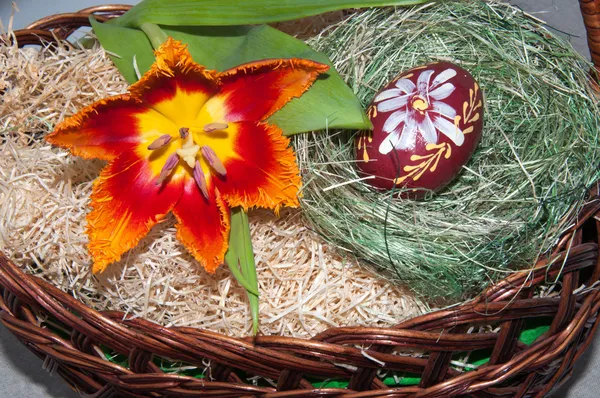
189 154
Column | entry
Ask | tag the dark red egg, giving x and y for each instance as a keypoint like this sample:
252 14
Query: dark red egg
426 125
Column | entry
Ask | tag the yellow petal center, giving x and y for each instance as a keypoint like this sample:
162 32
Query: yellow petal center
203 116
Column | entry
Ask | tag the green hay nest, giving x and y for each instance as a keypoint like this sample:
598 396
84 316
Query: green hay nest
530 174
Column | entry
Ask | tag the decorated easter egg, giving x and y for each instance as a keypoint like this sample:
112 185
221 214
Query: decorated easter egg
426 125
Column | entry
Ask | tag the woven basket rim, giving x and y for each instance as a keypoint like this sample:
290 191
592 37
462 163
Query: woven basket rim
509 303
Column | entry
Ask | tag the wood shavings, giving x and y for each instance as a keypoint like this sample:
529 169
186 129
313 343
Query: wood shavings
36 92
44 196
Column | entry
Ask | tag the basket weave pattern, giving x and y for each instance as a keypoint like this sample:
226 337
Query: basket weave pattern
514 369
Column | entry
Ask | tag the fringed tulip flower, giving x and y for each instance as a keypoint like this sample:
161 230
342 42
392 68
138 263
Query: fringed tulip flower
188 140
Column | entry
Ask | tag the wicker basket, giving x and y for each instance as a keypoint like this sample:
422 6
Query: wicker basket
514 369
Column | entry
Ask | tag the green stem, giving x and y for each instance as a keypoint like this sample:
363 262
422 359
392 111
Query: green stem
155 34
249 269
254 311
233 267
240 252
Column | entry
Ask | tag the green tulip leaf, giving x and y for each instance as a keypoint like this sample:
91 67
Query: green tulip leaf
239 12
328 103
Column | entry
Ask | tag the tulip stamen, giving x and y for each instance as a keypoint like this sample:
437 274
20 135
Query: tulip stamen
213 160
200 179
170 164
210 127
160 142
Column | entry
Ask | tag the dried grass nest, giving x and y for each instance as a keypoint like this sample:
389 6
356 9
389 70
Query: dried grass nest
521 189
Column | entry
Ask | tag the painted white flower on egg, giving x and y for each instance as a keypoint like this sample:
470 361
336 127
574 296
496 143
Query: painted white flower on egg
419 109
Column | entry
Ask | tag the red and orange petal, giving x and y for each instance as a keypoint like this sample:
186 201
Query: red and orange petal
264 173
203 225
256 90
102 130
174 71
126 203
